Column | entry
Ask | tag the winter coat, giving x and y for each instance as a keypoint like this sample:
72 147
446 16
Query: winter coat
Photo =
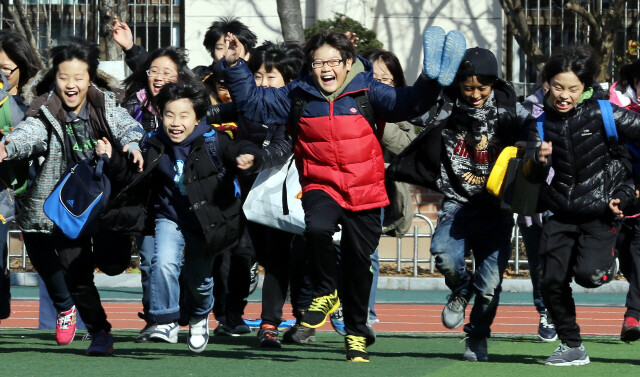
420 162
141 113
587 176
336 150
213 201
42 133
627 99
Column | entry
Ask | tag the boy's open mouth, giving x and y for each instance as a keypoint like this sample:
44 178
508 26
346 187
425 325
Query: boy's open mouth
563 105
175 132
71 95
328 79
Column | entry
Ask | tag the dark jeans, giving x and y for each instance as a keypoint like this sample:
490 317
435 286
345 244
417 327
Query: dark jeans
584 250
531 238
66 267
360 235
628 245
487 232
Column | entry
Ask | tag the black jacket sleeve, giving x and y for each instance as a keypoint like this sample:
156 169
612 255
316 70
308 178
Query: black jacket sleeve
135 57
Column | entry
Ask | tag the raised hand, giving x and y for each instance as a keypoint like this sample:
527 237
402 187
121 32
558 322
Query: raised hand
122 34
235 49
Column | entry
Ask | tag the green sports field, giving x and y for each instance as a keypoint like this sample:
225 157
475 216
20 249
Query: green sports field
34 353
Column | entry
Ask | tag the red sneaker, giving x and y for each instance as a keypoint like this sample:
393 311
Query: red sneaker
630 330
66 326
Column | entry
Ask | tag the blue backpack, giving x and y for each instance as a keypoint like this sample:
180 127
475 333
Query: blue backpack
79 198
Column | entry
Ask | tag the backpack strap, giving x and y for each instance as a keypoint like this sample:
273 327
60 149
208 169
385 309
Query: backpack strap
299 103
213 150
609 121
364 105
540 124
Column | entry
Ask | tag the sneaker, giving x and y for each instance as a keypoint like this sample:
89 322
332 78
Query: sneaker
237 325
567 356
145 334
453 312
319 309
356 347
268 336
101 344
299 334
337 321
433 45
254 278
613 271
454 48
476 349
166 332
223 330
630 330
198 334
66 326
546 329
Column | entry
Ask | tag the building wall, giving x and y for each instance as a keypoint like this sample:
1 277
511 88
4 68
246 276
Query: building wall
399 23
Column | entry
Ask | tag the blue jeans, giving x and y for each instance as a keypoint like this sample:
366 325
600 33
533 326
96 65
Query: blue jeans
174 247
375 268
146 249
463 229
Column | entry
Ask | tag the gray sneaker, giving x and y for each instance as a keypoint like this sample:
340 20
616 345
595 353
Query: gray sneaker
299 334
476 349
566 356
453 312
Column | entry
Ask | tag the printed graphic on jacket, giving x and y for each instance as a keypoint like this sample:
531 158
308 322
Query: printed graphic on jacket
179 177
471 149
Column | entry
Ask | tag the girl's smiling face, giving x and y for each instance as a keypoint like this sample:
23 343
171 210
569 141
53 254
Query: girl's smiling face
565 90
72 83
162 71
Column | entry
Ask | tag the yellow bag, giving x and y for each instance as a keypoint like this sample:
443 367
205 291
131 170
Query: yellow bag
496 178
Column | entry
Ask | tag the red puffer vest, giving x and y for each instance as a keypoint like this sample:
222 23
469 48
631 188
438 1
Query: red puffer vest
337 152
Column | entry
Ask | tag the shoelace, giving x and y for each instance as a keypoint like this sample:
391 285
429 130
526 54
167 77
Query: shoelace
64 321
86 337
356 343
337 315
545 323
270 334
560 350
321 304
457 304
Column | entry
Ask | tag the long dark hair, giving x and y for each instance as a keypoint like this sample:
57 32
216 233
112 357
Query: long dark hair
286 57
19 50
139 79
391 61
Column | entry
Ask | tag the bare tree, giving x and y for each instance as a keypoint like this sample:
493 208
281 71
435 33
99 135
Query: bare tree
290 15
602 28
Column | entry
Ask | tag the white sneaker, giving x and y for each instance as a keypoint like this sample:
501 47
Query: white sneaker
198 334
165 333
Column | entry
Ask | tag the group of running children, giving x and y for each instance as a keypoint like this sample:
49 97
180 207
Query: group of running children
175 187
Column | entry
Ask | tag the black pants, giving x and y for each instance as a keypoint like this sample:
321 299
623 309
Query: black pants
232 277
585 251
628 246
66 266
361 232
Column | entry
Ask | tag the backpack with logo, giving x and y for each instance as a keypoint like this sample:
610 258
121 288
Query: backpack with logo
79 198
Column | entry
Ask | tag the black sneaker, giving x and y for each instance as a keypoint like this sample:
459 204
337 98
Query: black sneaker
476 349
546 328
319 309
268 336
144 336
223 330
568 356
630 330
299 334
453 312
337 321
237 324
356 347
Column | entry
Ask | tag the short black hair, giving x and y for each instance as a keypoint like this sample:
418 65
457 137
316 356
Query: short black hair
628 74
73 48
18 49
226 25
331 38
582 60
391 61
139 79
286 57
191 90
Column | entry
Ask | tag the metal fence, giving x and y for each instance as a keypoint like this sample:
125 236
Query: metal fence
552 25
154 23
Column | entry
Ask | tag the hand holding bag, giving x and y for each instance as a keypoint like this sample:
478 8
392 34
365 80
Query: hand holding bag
79 198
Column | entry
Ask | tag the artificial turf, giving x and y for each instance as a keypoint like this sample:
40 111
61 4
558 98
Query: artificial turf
25 352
